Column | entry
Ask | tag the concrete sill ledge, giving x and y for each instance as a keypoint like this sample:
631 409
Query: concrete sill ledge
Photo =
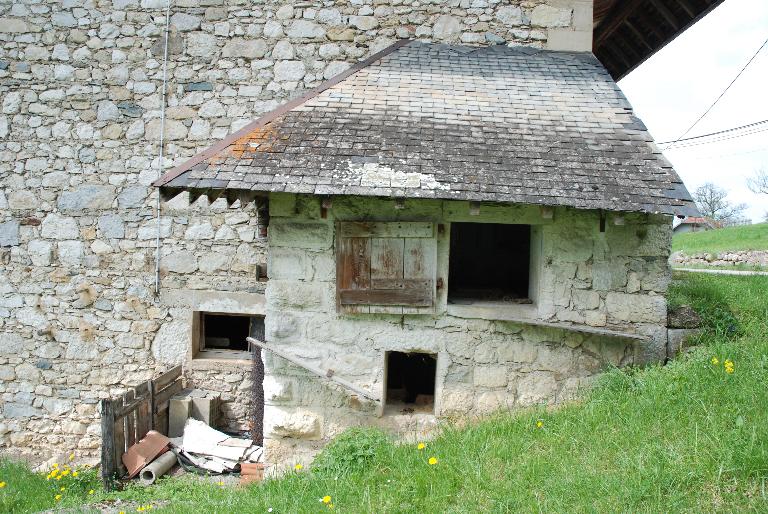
526 315
220 359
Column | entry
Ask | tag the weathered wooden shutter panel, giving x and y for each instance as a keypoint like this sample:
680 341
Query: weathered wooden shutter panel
386 267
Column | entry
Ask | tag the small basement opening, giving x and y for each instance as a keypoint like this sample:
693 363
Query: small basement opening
224 334
490 262
410 382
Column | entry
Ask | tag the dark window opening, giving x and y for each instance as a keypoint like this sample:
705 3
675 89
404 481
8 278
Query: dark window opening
489 261
411 381
229 332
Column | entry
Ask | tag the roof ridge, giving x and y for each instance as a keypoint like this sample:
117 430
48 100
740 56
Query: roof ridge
276 113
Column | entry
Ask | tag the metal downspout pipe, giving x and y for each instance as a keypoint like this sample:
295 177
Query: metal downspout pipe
161 150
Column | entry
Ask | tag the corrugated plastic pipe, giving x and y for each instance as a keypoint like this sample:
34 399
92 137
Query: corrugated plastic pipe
161 152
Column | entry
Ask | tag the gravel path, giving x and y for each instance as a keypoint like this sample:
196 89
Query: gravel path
722 271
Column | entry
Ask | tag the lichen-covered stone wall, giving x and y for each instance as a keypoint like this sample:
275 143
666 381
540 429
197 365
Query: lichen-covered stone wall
612 280
80 107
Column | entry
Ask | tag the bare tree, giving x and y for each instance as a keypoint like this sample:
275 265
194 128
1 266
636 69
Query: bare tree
759 183
712 203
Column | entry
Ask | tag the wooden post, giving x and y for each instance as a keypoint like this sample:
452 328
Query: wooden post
151 387
108 464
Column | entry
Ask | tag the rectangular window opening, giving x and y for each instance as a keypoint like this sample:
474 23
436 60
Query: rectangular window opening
410 382
489 262
224 335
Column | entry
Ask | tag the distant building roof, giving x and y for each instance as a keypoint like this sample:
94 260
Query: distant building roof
500 124
697 220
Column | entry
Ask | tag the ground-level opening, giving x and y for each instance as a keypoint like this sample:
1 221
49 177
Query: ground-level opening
489 262
410 382
224 335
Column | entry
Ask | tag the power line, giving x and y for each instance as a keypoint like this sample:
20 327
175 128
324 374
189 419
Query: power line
721 138
723 156
714 133
719 97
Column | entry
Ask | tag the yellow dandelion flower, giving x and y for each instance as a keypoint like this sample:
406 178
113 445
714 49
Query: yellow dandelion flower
221 483
298 467
65 473
57 497
432 461
121 512
421 446
75 473
140 509
715 361
729 370
539 423
55 465
58 477
71 456
326 499
2 484
63 489
91 491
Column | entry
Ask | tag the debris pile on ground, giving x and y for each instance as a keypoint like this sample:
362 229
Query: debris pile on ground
216 451
201 449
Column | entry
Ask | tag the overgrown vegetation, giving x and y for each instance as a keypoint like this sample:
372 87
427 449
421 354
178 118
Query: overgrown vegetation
744 237
687 437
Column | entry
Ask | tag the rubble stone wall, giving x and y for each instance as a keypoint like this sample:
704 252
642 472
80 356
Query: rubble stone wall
81 84
605 280
756 258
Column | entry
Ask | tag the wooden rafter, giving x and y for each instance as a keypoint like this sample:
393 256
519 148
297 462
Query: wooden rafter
687 7
666 13
638 35
614 20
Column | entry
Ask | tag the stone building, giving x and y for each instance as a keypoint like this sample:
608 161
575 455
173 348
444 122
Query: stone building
103 285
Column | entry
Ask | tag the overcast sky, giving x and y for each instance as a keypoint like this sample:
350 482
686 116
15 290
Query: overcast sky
675 86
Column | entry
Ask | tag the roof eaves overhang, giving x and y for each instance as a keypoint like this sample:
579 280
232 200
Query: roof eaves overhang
628 32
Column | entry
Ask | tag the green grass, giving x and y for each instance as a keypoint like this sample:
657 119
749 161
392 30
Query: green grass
25 491
686 437
745 237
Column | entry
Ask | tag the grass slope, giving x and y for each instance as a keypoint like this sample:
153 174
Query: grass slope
745 237
686 437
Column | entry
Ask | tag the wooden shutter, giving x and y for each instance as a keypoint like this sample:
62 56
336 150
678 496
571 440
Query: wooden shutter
386 267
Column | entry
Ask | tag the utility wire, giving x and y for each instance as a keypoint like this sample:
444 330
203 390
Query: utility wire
721 138
726 155
719 97
681 140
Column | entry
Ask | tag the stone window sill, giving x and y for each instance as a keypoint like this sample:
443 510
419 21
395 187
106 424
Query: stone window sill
500 311
527 315
220 359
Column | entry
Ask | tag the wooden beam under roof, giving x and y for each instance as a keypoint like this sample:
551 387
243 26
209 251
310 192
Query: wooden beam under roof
687 7
613 20
666 13
638 35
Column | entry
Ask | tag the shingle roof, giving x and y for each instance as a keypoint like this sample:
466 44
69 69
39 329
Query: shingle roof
500 124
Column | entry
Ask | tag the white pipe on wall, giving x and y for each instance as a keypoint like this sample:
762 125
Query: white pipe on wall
161 151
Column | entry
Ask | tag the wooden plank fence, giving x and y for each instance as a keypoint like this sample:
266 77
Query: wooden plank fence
126 419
